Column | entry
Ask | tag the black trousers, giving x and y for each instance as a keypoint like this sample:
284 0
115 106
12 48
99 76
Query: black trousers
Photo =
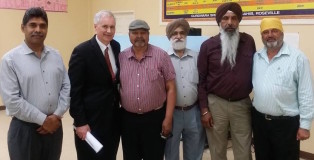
25 143
141 135
106 129
275 139
110 144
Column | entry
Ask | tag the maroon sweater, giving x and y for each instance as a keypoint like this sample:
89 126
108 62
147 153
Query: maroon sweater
220 80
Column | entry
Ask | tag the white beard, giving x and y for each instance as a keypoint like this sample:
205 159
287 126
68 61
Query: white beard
272 44
178 44
229 46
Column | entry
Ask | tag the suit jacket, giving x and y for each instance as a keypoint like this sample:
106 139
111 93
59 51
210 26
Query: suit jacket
94 96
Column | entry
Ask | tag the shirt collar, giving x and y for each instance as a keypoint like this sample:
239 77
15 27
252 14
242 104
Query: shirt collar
241 38
147 53
101 45
27 50
171 52
283 51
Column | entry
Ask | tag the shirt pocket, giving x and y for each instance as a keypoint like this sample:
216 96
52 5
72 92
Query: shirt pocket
214 64
153 74
284 78
193 75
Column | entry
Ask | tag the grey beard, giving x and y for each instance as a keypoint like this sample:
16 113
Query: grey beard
178 45
229 46
272 44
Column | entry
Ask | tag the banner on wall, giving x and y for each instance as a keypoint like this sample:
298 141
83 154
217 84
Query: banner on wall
48 5
204 10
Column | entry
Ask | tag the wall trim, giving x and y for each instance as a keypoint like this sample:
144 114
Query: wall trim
306 155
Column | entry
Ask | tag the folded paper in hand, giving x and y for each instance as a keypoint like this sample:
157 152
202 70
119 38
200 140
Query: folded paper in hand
93 142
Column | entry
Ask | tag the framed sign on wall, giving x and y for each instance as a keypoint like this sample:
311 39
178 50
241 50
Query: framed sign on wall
48 5
204 10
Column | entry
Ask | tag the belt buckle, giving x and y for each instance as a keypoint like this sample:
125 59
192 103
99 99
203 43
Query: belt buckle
267 117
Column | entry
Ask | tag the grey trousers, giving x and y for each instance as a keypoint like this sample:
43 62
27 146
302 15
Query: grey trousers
25 143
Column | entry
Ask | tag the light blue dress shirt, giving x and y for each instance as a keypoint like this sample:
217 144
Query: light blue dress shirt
284 85
186 124
186 76
32 87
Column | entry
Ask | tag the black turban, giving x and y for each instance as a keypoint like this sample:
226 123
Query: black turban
231 6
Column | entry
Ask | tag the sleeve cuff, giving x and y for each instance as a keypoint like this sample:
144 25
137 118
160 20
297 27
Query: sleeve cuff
305 124
59 112
40 118
63 106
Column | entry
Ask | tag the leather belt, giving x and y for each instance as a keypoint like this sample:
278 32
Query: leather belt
270 117
229 99
156 109
185 108
145 113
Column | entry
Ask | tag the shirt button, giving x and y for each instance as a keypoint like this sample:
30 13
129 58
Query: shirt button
46 82
137 85
49 94
138 98
138 74
182 77
183 86
181 67
140 109
43 71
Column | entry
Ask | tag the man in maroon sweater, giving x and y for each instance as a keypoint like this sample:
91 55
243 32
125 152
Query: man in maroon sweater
225 70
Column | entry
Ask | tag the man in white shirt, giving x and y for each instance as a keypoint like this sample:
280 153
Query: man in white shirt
283 96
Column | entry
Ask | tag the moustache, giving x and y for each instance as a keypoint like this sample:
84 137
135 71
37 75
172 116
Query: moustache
271 39
36 34
178 40
139 39
230 28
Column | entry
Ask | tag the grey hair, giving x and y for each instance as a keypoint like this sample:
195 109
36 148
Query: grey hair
103 13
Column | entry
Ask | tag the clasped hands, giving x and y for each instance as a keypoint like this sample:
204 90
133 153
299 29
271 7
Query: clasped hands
50 125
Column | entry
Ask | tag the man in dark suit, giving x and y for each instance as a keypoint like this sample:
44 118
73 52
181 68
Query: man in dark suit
93 72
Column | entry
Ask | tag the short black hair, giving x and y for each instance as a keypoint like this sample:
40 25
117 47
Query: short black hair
34 12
